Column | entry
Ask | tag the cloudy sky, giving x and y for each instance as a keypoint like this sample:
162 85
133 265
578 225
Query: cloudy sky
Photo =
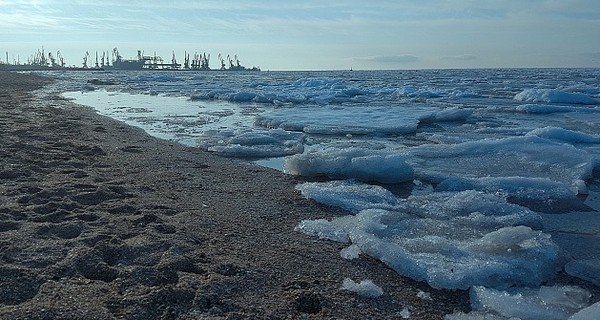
314 34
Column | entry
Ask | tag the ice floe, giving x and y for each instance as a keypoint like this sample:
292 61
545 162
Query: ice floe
451 240
554 96
347 163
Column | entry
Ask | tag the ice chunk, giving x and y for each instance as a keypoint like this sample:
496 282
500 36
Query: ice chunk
256 151
450 114
519 188
549 303
449 239
248 143
424 295
323 229
588 270
366 288
430 92
351 252
405 313
565 135
508 240
554 96
526 157
351 163
547 109
349 195
590 313
448 263
332 120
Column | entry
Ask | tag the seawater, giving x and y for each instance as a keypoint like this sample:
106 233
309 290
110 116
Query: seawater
459 178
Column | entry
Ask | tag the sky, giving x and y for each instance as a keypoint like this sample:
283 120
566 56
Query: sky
313 34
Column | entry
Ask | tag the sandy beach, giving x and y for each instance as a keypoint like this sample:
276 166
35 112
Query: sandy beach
99 220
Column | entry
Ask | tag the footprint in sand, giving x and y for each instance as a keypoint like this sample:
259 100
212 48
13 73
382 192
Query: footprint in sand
63 231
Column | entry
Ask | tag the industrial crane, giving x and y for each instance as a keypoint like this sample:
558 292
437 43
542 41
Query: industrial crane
237 61
60 58
230 62
102 60
52 59
174 61
96 65
222 62
85 60
205 62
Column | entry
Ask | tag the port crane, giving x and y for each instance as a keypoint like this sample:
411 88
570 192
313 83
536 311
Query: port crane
97 66
60 59
52 59
85 59
222 62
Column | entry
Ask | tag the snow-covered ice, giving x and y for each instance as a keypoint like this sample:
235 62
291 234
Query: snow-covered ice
554 96
478 237
526 157
547 109
351 163
365 288
549 303
332 120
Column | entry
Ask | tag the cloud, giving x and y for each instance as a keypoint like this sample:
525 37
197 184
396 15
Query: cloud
462 57
395 59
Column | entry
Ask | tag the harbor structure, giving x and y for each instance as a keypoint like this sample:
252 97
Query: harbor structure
113 60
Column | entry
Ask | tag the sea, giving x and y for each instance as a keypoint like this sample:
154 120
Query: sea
482 179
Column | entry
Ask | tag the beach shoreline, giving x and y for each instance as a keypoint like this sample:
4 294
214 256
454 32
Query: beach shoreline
100 220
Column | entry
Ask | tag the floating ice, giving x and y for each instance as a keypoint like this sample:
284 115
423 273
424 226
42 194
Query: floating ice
366 288
374 120
429 92
449 114
548 303
519 188
252 143
554 96
333 120
449 239
525 157
357 163
565 135
548 109
348 195
304 90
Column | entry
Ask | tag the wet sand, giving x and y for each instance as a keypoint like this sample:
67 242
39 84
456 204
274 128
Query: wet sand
99 220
